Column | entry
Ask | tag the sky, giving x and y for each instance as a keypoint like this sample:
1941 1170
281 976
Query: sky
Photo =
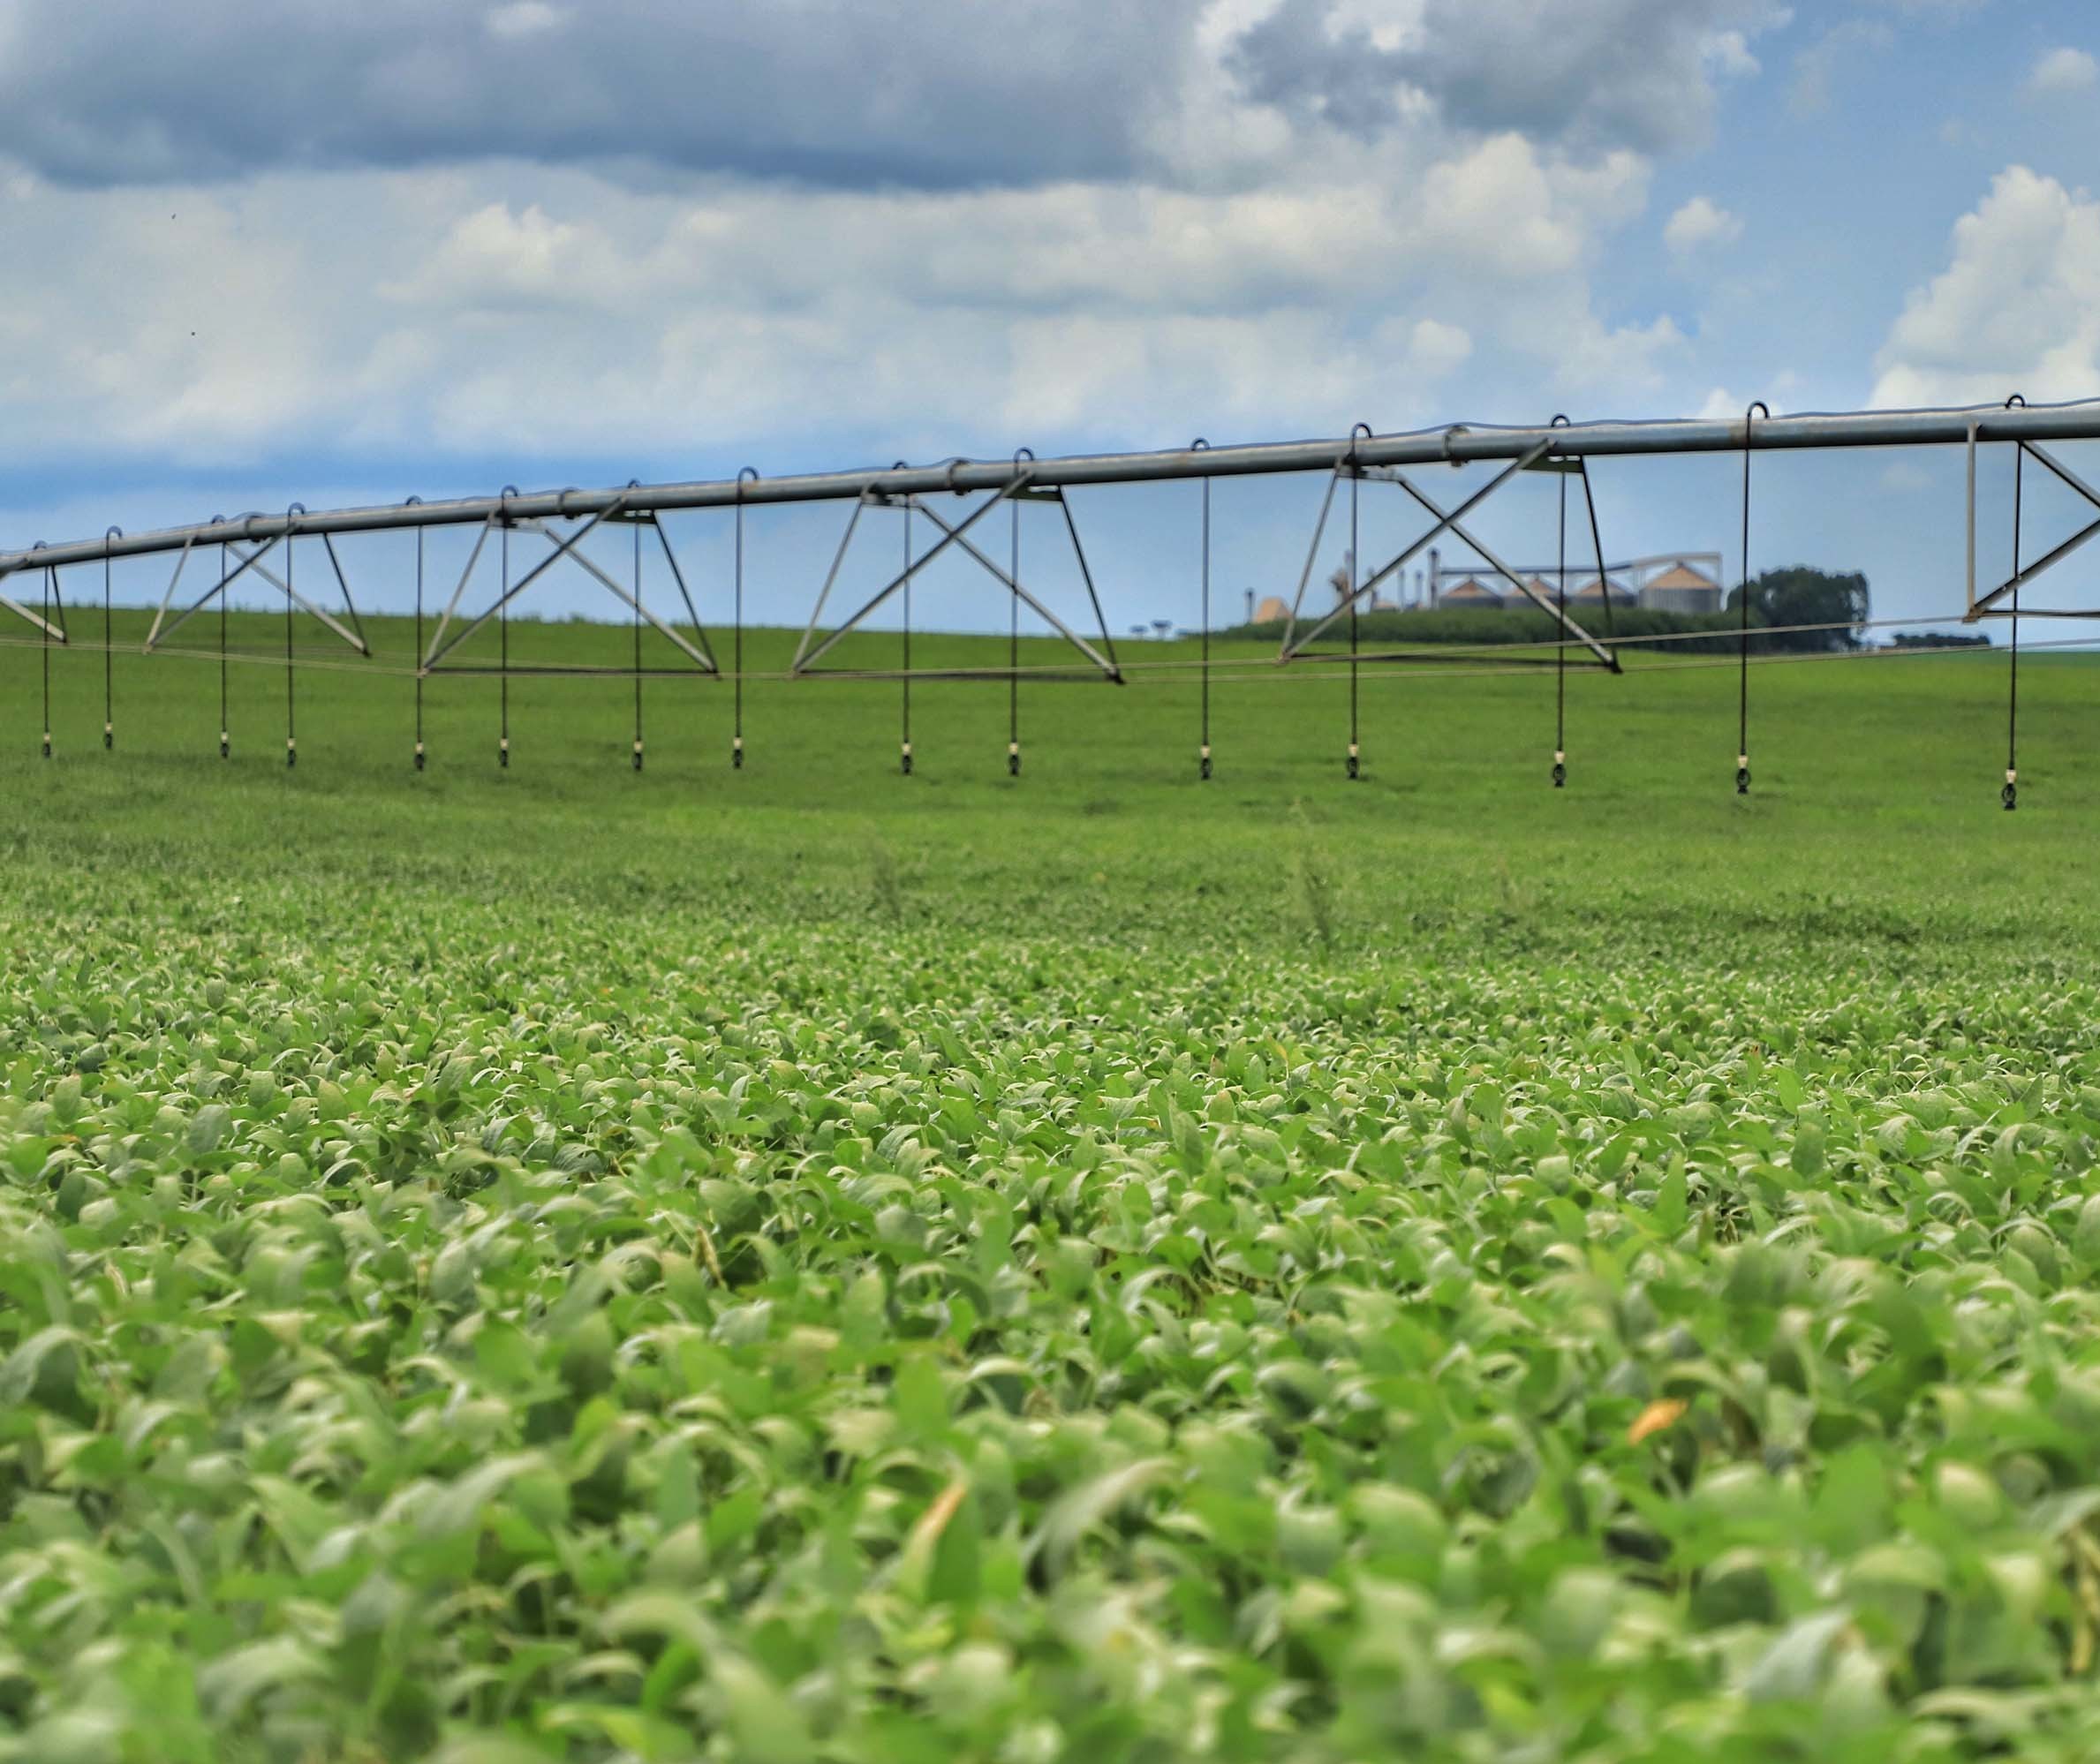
255 252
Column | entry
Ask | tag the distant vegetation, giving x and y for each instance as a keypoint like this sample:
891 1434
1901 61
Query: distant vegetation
1802 597
1524 625
1940 640
1780 598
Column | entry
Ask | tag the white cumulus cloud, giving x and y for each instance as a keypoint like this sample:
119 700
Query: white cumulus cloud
1700 223
1435 348
471 311
2016 310
519 235
524 18
2063 70
1728 53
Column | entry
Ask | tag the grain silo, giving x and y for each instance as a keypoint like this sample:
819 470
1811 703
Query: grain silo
1593 593
1681 589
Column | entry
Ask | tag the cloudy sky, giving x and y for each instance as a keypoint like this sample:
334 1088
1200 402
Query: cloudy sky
255 252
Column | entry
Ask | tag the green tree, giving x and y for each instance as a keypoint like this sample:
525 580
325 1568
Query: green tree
1801 596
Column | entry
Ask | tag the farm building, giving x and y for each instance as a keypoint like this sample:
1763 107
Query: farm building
1681 589
1679 582
1593 593
1273 611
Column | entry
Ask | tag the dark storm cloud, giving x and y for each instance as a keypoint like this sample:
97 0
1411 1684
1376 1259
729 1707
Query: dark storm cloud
1599 74
1298 59
847 93
840 93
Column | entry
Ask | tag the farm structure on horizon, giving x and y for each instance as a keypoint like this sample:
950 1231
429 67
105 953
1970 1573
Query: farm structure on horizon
1671 582
1675 582
943 503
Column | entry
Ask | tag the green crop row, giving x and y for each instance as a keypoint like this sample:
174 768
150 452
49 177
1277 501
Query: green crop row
506 1271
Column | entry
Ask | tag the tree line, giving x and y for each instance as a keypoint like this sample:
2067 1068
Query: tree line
1797 608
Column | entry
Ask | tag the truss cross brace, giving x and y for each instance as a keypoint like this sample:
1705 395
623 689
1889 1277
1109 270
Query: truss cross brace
182 558
701 658
806 656
50 630
1446 521
1107 663
1569 628
1985 606
254 561
1292 643
439 648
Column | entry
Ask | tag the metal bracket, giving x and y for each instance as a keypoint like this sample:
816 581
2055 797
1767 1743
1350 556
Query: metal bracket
1446 521
182 558
253 558
1293 645
810 650
1983 606
702 659
328 541
1312 552
50 631
564 547
806 656
1107 665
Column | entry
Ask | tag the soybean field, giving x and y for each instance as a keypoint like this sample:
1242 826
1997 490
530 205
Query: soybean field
567 1264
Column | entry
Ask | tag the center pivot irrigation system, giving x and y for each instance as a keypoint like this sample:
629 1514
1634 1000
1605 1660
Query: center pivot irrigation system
561 520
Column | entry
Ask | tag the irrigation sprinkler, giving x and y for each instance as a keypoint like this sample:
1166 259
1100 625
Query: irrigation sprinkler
1743 732
564 519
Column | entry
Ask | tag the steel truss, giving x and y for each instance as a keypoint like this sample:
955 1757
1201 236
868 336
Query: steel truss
812 649
1460 444
1986 606
564 519
697 651
1446 521
251 558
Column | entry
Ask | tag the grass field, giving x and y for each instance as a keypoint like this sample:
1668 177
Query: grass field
805 1262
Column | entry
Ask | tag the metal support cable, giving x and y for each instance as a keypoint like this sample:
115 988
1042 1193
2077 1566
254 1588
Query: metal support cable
1248 670
1013 650
225 734
1013 638
502 609
1093 597
1356 471
747 474
2010 795
1559 773
2012 677
1449 443
1597 541
1203 750
291 748
108 653
1743 731
1280 678
1354 763
419 650
50 593
904 765
638 645
350 605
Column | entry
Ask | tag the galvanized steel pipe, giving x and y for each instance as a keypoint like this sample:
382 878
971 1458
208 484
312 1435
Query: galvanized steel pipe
1457 444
